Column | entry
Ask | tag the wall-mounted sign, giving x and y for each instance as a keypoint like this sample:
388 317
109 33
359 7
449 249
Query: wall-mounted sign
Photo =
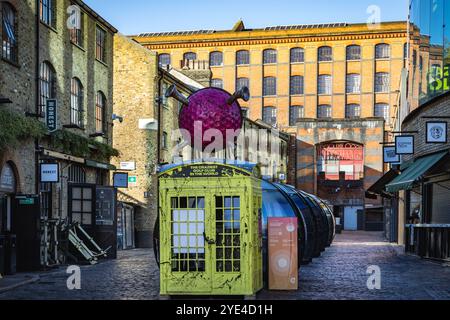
51 115
437 132
7 179
390 155
404 145
49 172
132 181
128 165
120 180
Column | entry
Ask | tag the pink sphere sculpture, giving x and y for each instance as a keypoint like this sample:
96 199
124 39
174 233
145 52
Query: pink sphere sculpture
207 109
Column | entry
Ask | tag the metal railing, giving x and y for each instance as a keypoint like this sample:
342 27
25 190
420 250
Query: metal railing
429 241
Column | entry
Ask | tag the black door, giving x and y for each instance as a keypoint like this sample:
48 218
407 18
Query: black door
106 220
25 224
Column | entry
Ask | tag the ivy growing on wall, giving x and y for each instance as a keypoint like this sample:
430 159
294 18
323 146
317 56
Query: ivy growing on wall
15 128
74 144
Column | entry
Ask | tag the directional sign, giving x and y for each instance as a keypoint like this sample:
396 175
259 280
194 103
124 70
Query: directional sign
51 115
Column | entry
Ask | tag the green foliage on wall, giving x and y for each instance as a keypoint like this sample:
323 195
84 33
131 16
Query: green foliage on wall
74 144
15 128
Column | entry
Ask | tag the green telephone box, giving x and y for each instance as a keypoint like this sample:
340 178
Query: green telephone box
210 229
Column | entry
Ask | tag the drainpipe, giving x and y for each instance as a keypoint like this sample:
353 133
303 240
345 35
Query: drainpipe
37 111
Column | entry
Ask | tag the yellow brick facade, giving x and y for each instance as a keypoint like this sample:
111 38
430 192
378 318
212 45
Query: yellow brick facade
310 39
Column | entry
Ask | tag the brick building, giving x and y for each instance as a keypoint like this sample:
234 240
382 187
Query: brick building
149 130
330 85
45 60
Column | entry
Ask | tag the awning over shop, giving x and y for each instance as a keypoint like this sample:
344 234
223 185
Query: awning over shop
378 188
99 165
407 179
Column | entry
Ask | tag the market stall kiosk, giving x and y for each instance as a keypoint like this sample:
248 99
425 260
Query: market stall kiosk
210 229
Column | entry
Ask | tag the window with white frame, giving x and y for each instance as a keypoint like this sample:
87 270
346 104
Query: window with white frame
353 52
352 111
241 83
76 103
325 54
216 59
325 84
324 111
270 115
242 57
296 85
270 86
353 83
382 82
382 51
295 113
297 55
47 84
269 56
9 34
382 111
217 83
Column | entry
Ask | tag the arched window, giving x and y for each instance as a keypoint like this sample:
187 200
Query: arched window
297 55
269 56
295 113
297 85
76 103
9 34
324 111
216 59
164 60
270 86
100 113
242 82
270 115
353 83
325 54
382 82
217 83
47 84
242 57
325 84
190 56
352 111
382 51
353 52
382 111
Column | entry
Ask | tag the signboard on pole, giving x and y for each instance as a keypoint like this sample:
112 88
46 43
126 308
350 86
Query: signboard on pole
437 132
51 115
390 155
49 172
404 145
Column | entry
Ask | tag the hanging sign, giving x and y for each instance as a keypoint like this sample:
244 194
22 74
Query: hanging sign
51 115
437 132
404 145
390 155
49 172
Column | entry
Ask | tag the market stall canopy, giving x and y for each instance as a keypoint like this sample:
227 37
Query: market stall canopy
407 179
378 188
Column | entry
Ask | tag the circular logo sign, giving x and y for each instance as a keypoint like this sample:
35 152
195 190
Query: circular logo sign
436 132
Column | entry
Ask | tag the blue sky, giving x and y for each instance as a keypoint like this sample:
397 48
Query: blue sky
137 16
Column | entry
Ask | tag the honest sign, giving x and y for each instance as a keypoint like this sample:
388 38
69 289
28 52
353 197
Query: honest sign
49 172
51 115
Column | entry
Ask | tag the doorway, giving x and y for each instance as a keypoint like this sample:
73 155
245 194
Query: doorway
351 218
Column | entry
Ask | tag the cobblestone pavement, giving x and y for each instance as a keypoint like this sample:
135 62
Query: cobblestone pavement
339 274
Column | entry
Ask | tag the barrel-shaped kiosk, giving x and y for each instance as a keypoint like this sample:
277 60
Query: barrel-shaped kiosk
211 235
